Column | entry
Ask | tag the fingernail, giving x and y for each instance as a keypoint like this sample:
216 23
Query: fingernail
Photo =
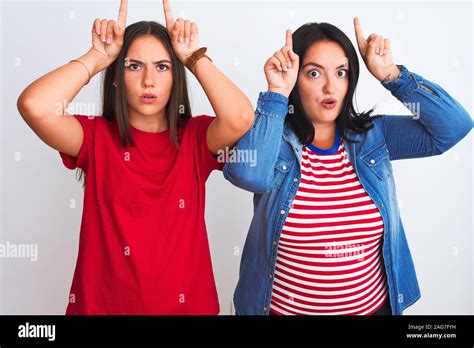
109 40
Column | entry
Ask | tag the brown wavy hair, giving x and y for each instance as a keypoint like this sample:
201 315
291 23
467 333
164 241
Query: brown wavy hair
114 102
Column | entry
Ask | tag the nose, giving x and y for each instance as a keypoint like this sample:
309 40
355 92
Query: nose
148 78
329 85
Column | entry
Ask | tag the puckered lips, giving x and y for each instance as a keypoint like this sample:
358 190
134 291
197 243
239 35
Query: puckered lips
329 103
148 98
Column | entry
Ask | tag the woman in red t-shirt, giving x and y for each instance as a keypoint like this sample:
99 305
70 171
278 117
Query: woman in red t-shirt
143 245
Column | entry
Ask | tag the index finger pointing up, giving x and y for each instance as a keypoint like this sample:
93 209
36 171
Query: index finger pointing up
289 39
358 32
168 14
122 16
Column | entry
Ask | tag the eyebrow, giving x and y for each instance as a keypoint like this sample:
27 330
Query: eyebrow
346 64
158 62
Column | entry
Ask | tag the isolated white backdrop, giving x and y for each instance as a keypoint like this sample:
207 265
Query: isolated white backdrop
38 194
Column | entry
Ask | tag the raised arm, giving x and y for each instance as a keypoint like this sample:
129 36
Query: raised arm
438 122
233 110
265 136
42 103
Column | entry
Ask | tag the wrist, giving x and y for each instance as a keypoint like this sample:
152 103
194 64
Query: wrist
95 61
281 91
201 64
391 74
197 56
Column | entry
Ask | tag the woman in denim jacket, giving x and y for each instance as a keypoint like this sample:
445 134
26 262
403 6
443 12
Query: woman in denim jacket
326 236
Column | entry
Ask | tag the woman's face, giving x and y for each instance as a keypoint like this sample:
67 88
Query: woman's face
148 77
323 81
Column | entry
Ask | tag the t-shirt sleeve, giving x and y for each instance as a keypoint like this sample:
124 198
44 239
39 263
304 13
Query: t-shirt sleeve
207 159
82 160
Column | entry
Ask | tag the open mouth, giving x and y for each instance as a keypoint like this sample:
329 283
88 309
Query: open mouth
148 98
328 103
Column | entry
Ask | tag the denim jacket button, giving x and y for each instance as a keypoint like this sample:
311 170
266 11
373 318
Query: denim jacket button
283 167
372 161
282 212
264 309
295 179
270 275
274 242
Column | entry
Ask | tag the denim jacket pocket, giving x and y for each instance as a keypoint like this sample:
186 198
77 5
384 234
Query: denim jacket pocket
378 160
282 167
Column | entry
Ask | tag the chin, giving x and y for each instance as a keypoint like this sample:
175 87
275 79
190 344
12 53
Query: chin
148 111
325 117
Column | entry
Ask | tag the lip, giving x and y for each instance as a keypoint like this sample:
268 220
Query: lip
329 103
148 98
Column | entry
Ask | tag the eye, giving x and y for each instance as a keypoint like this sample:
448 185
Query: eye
162 67
313 73
134 67
342 73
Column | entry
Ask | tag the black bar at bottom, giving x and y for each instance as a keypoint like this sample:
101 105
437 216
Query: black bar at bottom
406 330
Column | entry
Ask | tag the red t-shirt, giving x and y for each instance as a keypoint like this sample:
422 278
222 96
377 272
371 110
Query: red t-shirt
143 245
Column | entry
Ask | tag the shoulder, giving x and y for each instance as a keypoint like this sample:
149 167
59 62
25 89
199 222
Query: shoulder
201 120
94 122
372 136
198 124
378 122
91 120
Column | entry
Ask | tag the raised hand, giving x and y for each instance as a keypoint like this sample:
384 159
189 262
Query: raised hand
107 35
281 69
184 34
376 53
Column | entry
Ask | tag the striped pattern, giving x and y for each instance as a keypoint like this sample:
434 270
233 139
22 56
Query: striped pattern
329 255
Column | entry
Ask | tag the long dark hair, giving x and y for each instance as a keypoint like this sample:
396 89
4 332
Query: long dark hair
348 119
114 102
114 105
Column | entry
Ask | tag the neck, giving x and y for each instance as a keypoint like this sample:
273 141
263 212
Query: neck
324 135
152 124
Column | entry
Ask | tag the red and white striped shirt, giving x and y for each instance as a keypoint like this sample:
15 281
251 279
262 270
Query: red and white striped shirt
330 251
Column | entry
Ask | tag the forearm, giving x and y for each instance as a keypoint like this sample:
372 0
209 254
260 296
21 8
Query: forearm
439 121
231 106
264 140
50 94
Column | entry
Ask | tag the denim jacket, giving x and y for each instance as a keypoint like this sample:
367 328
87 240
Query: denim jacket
275 177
